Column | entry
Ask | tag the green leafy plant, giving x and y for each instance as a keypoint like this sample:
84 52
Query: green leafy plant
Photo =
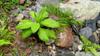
5 35
64 17
1 53
8 4
4 42
42 25
89 46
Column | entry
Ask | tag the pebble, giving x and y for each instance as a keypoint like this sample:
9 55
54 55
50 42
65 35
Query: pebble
22 1
64 52
87 31
77 44
92 36
98 23
65 38
19 17
91 24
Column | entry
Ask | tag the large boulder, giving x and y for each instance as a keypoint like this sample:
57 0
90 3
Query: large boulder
82 9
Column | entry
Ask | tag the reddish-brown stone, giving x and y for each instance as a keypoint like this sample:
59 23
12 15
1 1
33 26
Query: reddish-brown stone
21 1
66 38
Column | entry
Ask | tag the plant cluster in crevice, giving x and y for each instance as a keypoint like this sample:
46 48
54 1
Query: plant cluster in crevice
42 25
67 19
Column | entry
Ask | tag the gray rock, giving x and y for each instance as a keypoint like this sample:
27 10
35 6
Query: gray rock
96 0
37 7
83 54
64 52
91 24
77 44
98 23
54 2
19 17
87 31
39 3
94 39
98 34
83 9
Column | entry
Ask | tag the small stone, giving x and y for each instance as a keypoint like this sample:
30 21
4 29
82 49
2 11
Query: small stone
96 38
37 7
64 53
22 1
91 24
28 51
77 44
25 14
80 47
98 30
19 17
65 38
98 23
87 31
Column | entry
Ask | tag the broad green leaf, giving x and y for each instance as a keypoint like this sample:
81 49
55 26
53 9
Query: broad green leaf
26 33
42 14
51 34
50 23
24 24
4 42
32 14
94 51
34 27
43 35
85 40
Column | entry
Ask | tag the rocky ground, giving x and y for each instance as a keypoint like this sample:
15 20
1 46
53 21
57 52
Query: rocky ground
83 10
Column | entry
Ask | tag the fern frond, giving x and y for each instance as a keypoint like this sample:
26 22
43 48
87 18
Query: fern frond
57 11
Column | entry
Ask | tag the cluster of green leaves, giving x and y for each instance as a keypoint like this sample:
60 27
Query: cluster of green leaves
67 19
7 5
42 25
64 17
55 10
4 42
5 35
89 46
1 53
